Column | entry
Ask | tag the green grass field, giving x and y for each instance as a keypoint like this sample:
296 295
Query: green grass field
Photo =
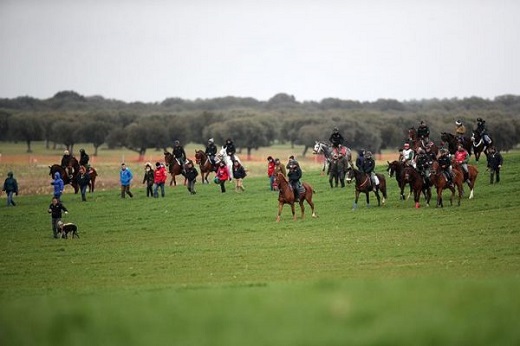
216 269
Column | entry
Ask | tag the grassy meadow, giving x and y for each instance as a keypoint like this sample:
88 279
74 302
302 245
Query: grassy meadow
216 269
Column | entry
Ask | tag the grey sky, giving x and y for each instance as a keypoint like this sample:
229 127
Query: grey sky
363 50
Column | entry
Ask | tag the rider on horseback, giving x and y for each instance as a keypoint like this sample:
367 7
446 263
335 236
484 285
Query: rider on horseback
460 131
65 162
360 159
180 155
423 133
294 175
230 149
83 159
445 165
462 158
482 132
408 155
336 138
368 167
422 162
211 151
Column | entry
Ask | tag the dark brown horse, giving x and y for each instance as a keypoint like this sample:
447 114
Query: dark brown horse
286 196
363 184
479 146
470 177
414 178
416 143
397 168
453 142
440 182
67 178
204 164
173 167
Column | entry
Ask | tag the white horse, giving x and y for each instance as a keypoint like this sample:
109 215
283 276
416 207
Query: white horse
326 150
222 155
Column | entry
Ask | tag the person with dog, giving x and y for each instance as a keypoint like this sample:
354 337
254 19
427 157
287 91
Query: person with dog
55 209
125 178
65 228
148 179
83 180
159 179
10 188
58 185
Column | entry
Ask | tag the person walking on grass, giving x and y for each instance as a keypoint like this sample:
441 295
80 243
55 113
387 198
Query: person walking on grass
125 178
148 179
83 180
55 209
58 185
222 176
191 176
159 179
239 173
10 188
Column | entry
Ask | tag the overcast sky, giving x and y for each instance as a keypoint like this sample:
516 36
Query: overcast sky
149 50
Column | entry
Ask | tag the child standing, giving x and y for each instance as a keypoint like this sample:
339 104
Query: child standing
191 175
148 179
10 188
222 176
239 173
55 210
58 185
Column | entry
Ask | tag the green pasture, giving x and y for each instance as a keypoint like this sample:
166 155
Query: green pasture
216 269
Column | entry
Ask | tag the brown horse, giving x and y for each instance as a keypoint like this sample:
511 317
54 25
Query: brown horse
363 184
470 177
397 168
173 167
67 178
441 183
204 164
453 142
286 196
414 178
416 143
74 164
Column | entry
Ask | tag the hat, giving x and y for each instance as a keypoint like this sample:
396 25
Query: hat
269 158
210 140
406 145
66 152
157 164
458 123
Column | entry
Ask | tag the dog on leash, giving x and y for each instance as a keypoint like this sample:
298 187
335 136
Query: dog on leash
65 228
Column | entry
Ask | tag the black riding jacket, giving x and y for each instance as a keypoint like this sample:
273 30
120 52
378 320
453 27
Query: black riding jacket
211 149
179 153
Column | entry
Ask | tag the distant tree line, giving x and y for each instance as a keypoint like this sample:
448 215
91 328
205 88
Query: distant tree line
69 118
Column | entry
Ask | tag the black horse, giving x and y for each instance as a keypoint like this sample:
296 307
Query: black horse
364 184
479 145
453 142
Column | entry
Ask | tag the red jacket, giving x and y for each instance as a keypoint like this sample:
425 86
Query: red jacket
461 156
270 168
222 173
160 175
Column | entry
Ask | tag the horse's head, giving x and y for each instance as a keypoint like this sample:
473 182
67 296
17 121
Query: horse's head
349 175
391 168
199 156
317 148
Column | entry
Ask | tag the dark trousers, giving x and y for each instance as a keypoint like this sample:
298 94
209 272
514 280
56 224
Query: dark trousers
54 224
191 186
83 190
156 191
149 190
223 186
125 189
492 174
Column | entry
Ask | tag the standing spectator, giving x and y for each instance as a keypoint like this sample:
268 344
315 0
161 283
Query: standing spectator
159 179
191 176
222 175
58 185
270 171
83 179
125 177
239 173
55 209
279 168
495 161
10 188
180 155
149 179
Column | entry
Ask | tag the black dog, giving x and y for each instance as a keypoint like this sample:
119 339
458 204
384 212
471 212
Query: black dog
66 228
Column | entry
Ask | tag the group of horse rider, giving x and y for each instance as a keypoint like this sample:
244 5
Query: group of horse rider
211 150
67 157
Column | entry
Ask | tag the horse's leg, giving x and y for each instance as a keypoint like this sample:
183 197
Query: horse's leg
376 191
302 206
308 198
293 211
171 180
416 197
280 208
354 206
367 194
439 197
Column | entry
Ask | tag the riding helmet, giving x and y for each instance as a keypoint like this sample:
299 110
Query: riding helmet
458 123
